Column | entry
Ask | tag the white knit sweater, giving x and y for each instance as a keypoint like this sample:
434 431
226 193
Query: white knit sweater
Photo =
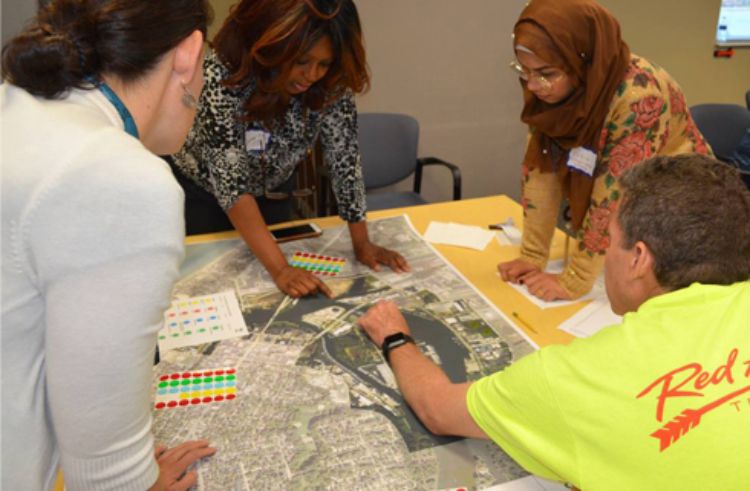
92 238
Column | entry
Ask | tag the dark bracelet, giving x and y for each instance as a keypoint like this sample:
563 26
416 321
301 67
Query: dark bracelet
394 341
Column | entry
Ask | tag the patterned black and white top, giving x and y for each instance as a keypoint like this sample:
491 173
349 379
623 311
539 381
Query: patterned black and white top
222 153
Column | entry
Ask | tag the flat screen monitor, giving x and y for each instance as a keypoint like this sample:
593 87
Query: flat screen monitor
733 28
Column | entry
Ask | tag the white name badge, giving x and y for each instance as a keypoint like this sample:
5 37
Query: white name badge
582 160
256 140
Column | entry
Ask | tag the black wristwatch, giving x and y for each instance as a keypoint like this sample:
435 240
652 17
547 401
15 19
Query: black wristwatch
394 341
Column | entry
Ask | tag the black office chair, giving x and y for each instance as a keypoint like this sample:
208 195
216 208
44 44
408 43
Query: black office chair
388 144
723 125
747 99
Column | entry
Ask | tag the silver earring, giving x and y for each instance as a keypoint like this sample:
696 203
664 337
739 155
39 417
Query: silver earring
188 99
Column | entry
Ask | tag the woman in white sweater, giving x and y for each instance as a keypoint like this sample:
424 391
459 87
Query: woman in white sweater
92 235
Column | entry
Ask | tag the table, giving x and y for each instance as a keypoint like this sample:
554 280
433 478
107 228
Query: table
479 267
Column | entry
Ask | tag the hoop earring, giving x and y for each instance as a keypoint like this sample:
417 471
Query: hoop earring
188 99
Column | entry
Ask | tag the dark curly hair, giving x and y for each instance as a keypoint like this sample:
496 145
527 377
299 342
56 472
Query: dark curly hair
71 42
261 39
693 213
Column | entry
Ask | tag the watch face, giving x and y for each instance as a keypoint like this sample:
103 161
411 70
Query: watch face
399 336
394 341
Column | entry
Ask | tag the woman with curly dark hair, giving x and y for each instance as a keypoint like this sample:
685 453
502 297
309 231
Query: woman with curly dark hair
282 74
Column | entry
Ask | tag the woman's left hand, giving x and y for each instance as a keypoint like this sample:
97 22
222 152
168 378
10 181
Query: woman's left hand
373 255
545 286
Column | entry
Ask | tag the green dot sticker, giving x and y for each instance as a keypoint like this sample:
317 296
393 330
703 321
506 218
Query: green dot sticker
185 382
196 381
162 337
208 380
215 328
188 333
219 379
162 385
202 329
174 383
230 377
175 335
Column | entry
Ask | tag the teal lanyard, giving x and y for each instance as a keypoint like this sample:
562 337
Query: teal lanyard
127 118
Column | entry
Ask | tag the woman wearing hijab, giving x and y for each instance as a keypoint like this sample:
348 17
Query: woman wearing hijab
594 109
282 74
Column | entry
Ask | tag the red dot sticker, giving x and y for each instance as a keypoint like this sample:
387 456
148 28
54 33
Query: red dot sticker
164 377
195 401
230 397
160 405
186 375
172 404
174 376
219 398
231 370
184 402
219 372
197 374
208 373
207 399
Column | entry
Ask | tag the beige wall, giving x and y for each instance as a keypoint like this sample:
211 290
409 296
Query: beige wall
445 62
679 35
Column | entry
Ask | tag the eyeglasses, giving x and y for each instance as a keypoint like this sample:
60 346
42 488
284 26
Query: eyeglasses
546 81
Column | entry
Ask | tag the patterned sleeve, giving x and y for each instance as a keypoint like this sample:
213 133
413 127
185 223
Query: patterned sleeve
338 134
648 117
215 148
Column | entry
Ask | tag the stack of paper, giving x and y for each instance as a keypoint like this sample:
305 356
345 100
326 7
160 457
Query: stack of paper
456 234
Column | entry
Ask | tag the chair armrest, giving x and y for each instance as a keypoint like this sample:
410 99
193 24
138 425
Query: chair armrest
455 171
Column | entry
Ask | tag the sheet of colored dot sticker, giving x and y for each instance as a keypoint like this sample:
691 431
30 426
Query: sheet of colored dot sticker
318 264
199 320
194 388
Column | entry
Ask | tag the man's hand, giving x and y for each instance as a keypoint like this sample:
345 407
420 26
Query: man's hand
373 255
383 320
545 286
174 463
513 271
297 282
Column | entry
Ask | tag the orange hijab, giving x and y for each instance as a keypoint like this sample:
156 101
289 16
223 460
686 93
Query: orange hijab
584 39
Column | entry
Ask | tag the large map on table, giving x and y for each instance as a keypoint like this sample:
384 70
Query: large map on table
317 407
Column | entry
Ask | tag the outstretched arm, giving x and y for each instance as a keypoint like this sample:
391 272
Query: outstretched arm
439 403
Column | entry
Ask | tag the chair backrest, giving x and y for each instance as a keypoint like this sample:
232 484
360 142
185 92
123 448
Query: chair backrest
747 99
723 125
388 145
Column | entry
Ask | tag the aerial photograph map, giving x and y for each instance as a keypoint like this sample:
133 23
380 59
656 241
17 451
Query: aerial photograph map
315 404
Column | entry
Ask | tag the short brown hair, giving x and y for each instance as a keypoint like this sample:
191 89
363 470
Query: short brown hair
261 39
693 213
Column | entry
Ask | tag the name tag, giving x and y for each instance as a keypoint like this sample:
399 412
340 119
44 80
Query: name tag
582 160
256 140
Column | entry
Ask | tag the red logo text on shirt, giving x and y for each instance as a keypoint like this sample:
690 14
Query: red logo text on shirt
690 381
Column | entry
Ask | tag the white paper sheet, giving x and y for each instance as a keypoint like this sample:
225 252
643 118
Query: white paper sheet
556 267
590 319
528 483
459 235
198 320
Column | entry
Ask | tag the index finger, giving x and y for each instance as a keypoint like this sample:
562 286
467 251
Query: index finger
322 287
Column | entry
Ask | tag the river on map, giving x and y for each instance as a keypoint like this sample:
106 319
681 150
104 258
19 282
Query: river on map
424 328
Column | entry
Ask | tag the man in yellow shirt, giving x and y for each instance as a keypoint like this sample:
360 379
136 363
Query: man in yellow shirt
661 401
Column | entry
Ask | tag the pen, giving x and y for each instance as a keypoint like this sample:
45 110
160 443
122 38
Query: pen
524 323
495 226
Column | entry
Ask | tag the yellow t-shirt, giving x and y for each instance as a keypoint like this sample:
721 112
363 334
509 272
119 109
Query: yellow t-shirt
661 401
